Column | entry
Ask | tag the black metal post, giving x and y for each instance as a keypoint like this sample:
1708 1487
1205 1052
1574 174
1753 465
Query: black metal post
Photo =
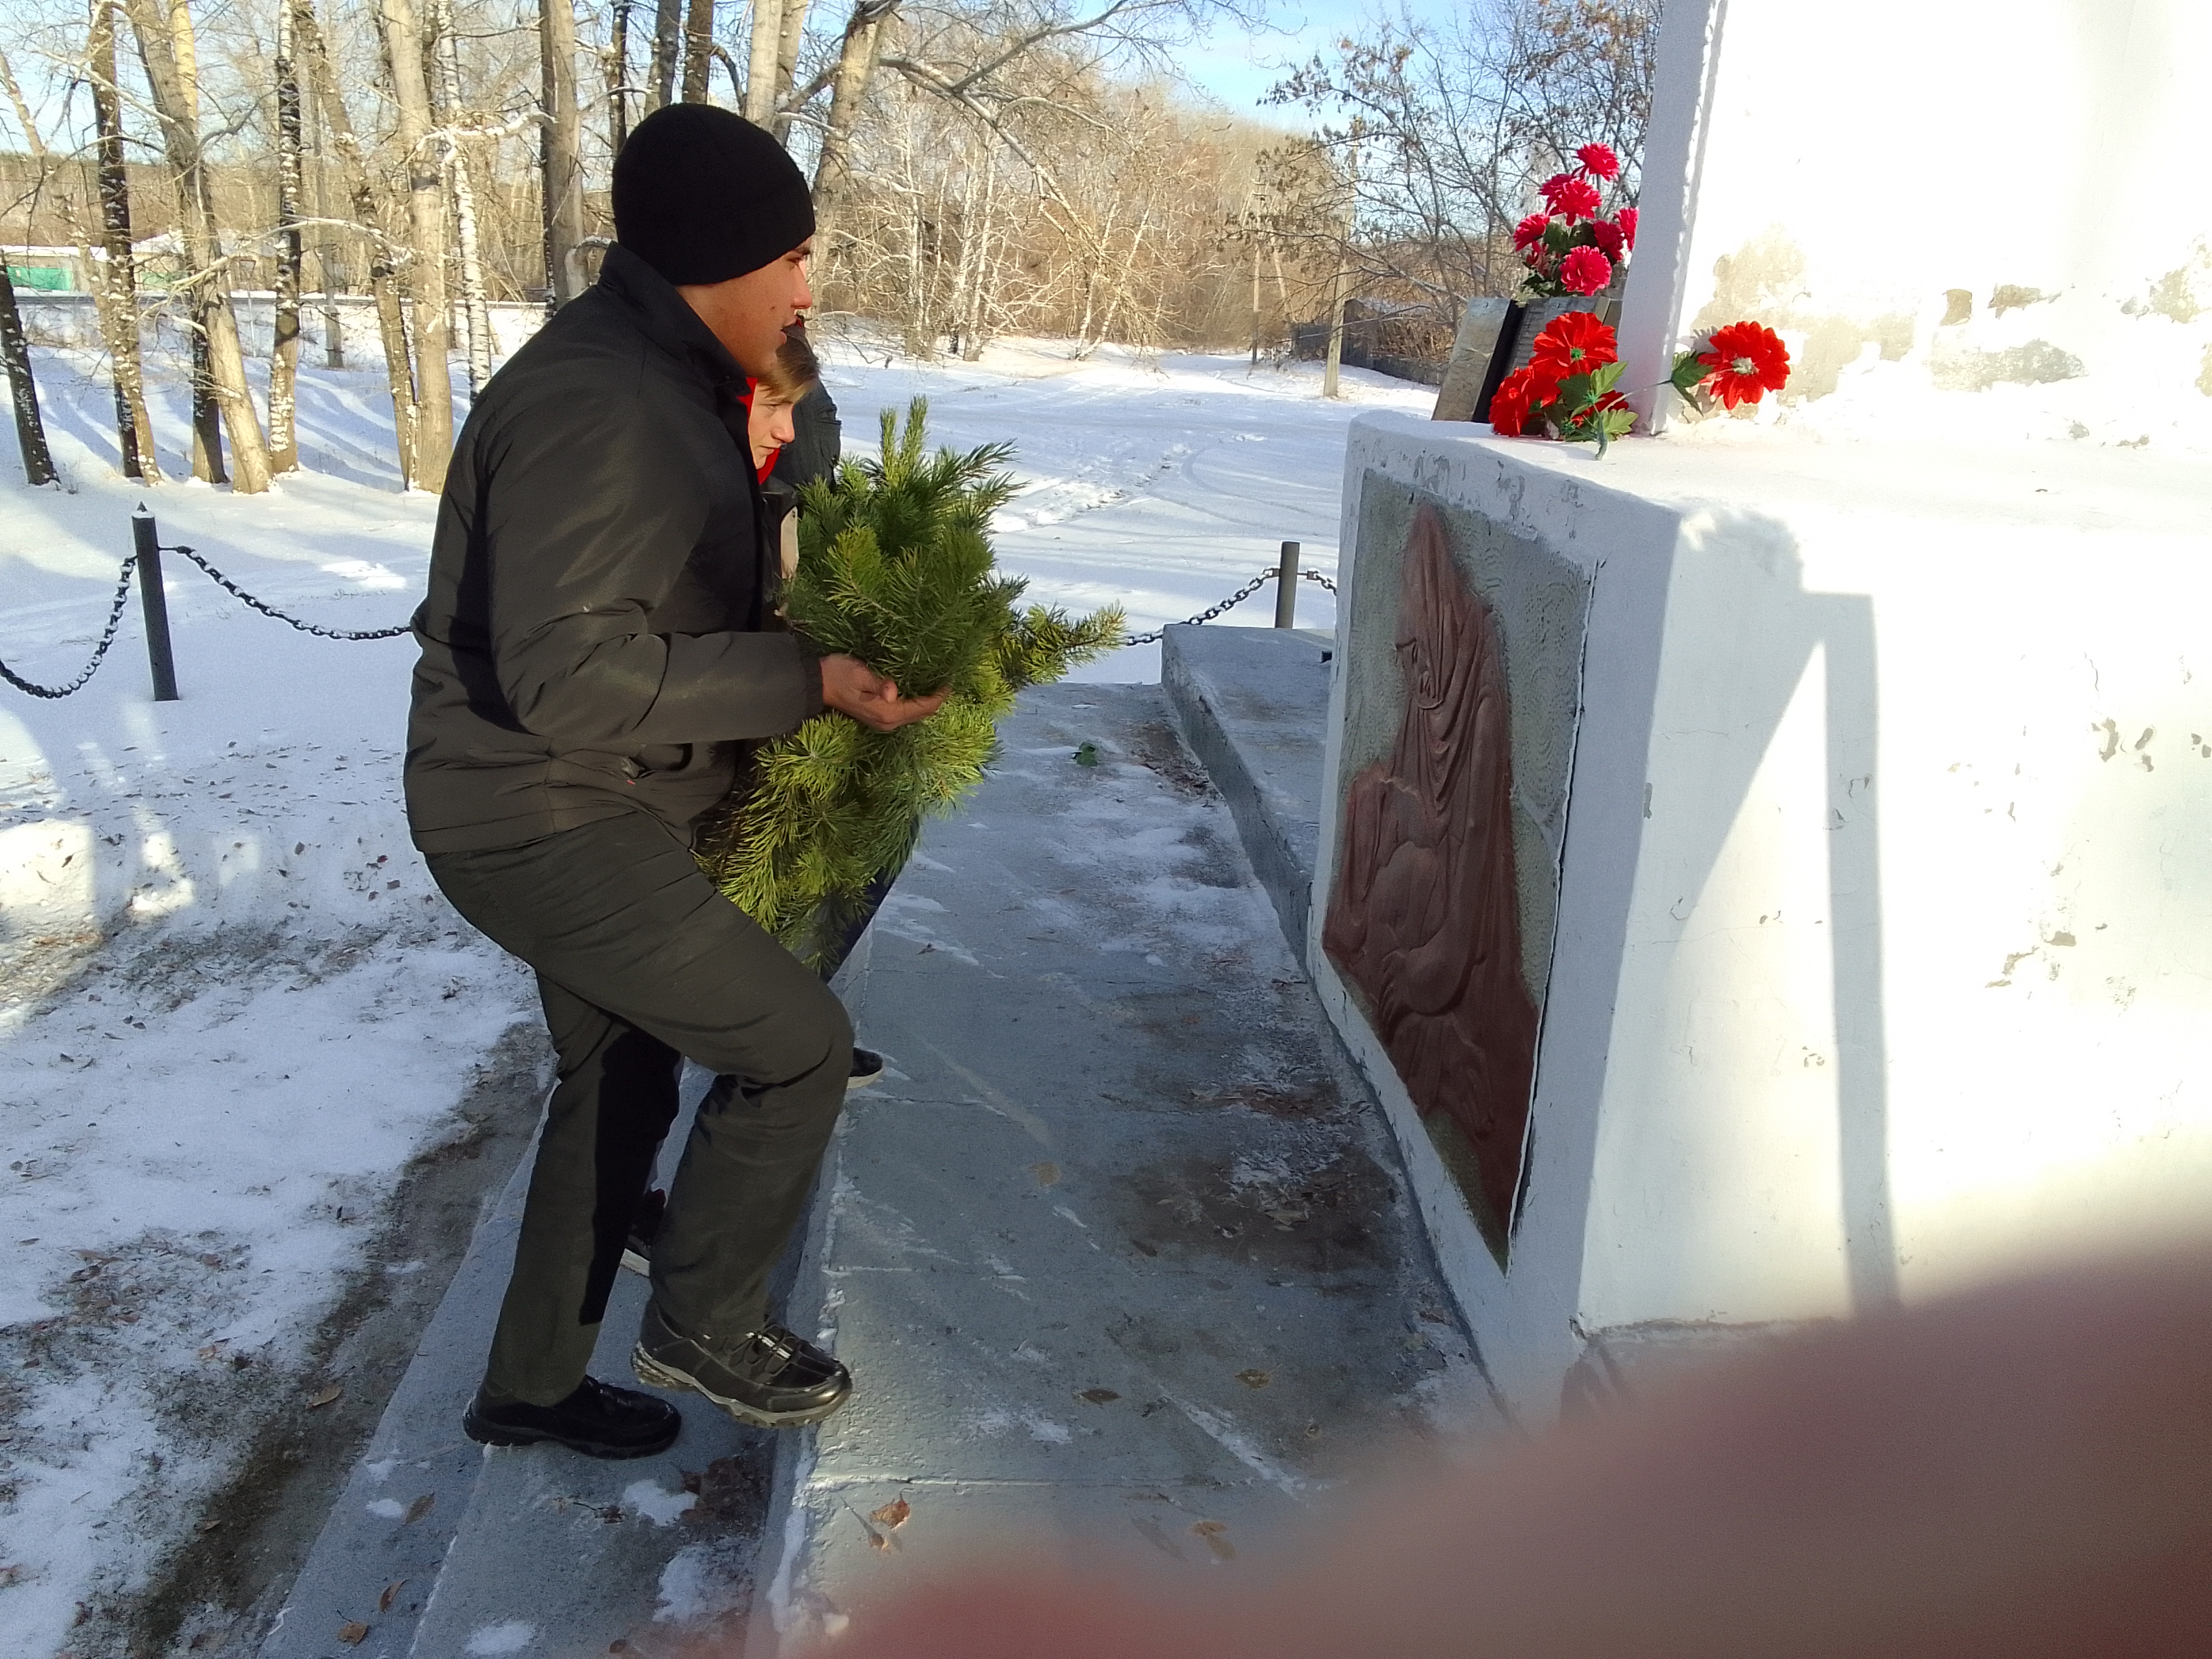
1287 587
147 543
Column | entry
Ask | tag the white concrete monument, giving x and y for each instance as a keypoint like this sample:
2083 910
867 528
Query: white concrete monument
1770 869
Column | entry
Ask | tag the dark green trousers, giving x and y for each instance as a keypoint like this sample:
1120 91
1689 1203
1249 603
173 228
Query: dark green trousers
641 963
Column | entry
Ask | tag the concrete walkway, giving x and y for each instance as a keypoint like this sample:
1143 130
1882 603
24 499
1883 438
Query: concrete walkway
1121 1257
1119 1253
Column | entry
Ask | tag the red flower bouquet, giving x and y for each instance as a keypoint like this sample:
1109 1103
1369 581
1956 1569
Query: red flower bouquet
1572 247
1567 390
1740 364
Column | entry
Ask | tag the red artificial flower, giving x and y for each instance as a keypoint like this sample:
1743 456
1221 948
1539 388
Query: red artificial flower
1529 232
1627 220
1746 361
1570 198
1574 344
1610 238
1584 271
1510 404
1598 161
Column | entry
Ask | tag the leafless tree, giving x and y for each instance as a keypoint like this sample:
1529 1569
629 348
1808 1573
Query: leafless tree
1457 121
167 47
284 340
421 153
560 145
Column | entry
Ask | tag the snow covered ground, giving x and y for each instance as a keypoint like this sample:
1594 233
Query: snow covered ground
234 1007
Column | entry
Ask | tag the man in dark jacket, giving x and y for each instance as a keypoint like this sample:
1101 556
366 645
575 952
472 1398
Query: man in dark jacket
596 652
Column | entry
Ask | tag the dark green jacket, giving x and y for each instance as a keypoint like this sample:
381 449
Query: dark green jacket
598 632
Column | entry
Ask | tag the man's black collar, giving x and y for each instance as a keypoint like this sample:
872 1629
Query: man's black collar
667 321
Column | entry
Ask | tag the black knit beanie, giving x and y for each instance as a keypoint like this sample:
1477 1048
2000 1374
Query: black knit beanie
702 195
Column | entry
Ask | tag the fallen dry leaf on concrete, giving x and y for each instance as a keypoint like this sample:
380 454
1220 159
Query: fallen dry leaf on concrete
390 1594
1098 1396
353 1634
880 1525
316 1402
1255 1378
1046 1174
1212 1532
420 1508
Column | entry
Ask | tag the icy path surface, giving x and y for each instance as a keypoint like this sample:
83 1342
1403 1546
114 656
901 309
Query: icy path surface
1120 1252
234 1007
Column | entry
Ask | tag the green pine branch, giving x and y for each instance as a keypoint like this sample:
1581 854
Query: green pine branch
894 567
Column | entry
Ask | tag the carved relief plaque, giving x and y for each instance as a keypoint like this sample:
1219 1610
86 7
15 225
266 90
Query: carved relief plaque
1439 860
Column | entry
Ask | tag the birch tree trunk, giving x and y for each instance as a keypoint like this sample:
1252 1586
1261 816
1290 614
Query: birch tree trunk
790 33
760 65
856 68
383 284
207 414
617 78
446 102
667 25
284 345
1339 291
475 310
30 430
698 50
1341 287
426 270
963 272
112 271
328 262
165 46
561 143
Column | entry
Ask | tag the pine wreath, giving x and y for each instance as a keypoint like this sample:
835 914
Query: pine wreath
894 567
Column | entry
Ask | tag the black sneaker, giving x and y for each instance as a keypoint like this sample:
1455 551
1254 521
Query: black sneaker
868 1067
770 1379
644 1228
598 1420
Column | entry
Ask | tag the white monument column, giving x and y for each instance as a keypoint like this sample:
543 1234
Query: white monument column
1857 818
1938 196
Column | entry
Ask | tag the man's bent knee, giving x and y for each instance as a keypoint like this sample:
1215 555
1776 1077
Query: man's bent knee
810 1031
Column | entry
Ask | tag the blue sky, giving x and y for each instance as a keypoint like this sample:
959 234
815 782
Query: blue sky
1238 69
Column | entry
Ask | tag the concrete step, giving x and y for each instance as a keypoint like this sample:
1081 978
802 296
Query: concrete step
442 1547
1253 705
1120 1255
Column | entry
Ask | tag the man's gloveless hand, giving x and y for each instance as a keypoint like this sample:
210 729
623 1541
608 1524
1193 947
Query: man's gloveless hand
851 687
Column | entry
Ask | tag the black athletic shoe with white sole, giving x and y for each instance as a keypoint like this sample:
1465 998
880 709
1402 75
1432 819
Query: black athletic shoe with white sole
768 1377
598 1420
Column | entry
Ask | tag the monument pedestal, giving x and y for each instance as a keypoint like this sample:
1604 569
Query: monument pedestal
1857 833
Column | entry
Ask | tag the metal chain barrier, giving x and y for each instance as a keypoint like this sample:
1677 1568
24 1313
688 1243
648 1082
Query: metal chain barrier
146 562
237 593
1228 604
99 651
1208 615
123 594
